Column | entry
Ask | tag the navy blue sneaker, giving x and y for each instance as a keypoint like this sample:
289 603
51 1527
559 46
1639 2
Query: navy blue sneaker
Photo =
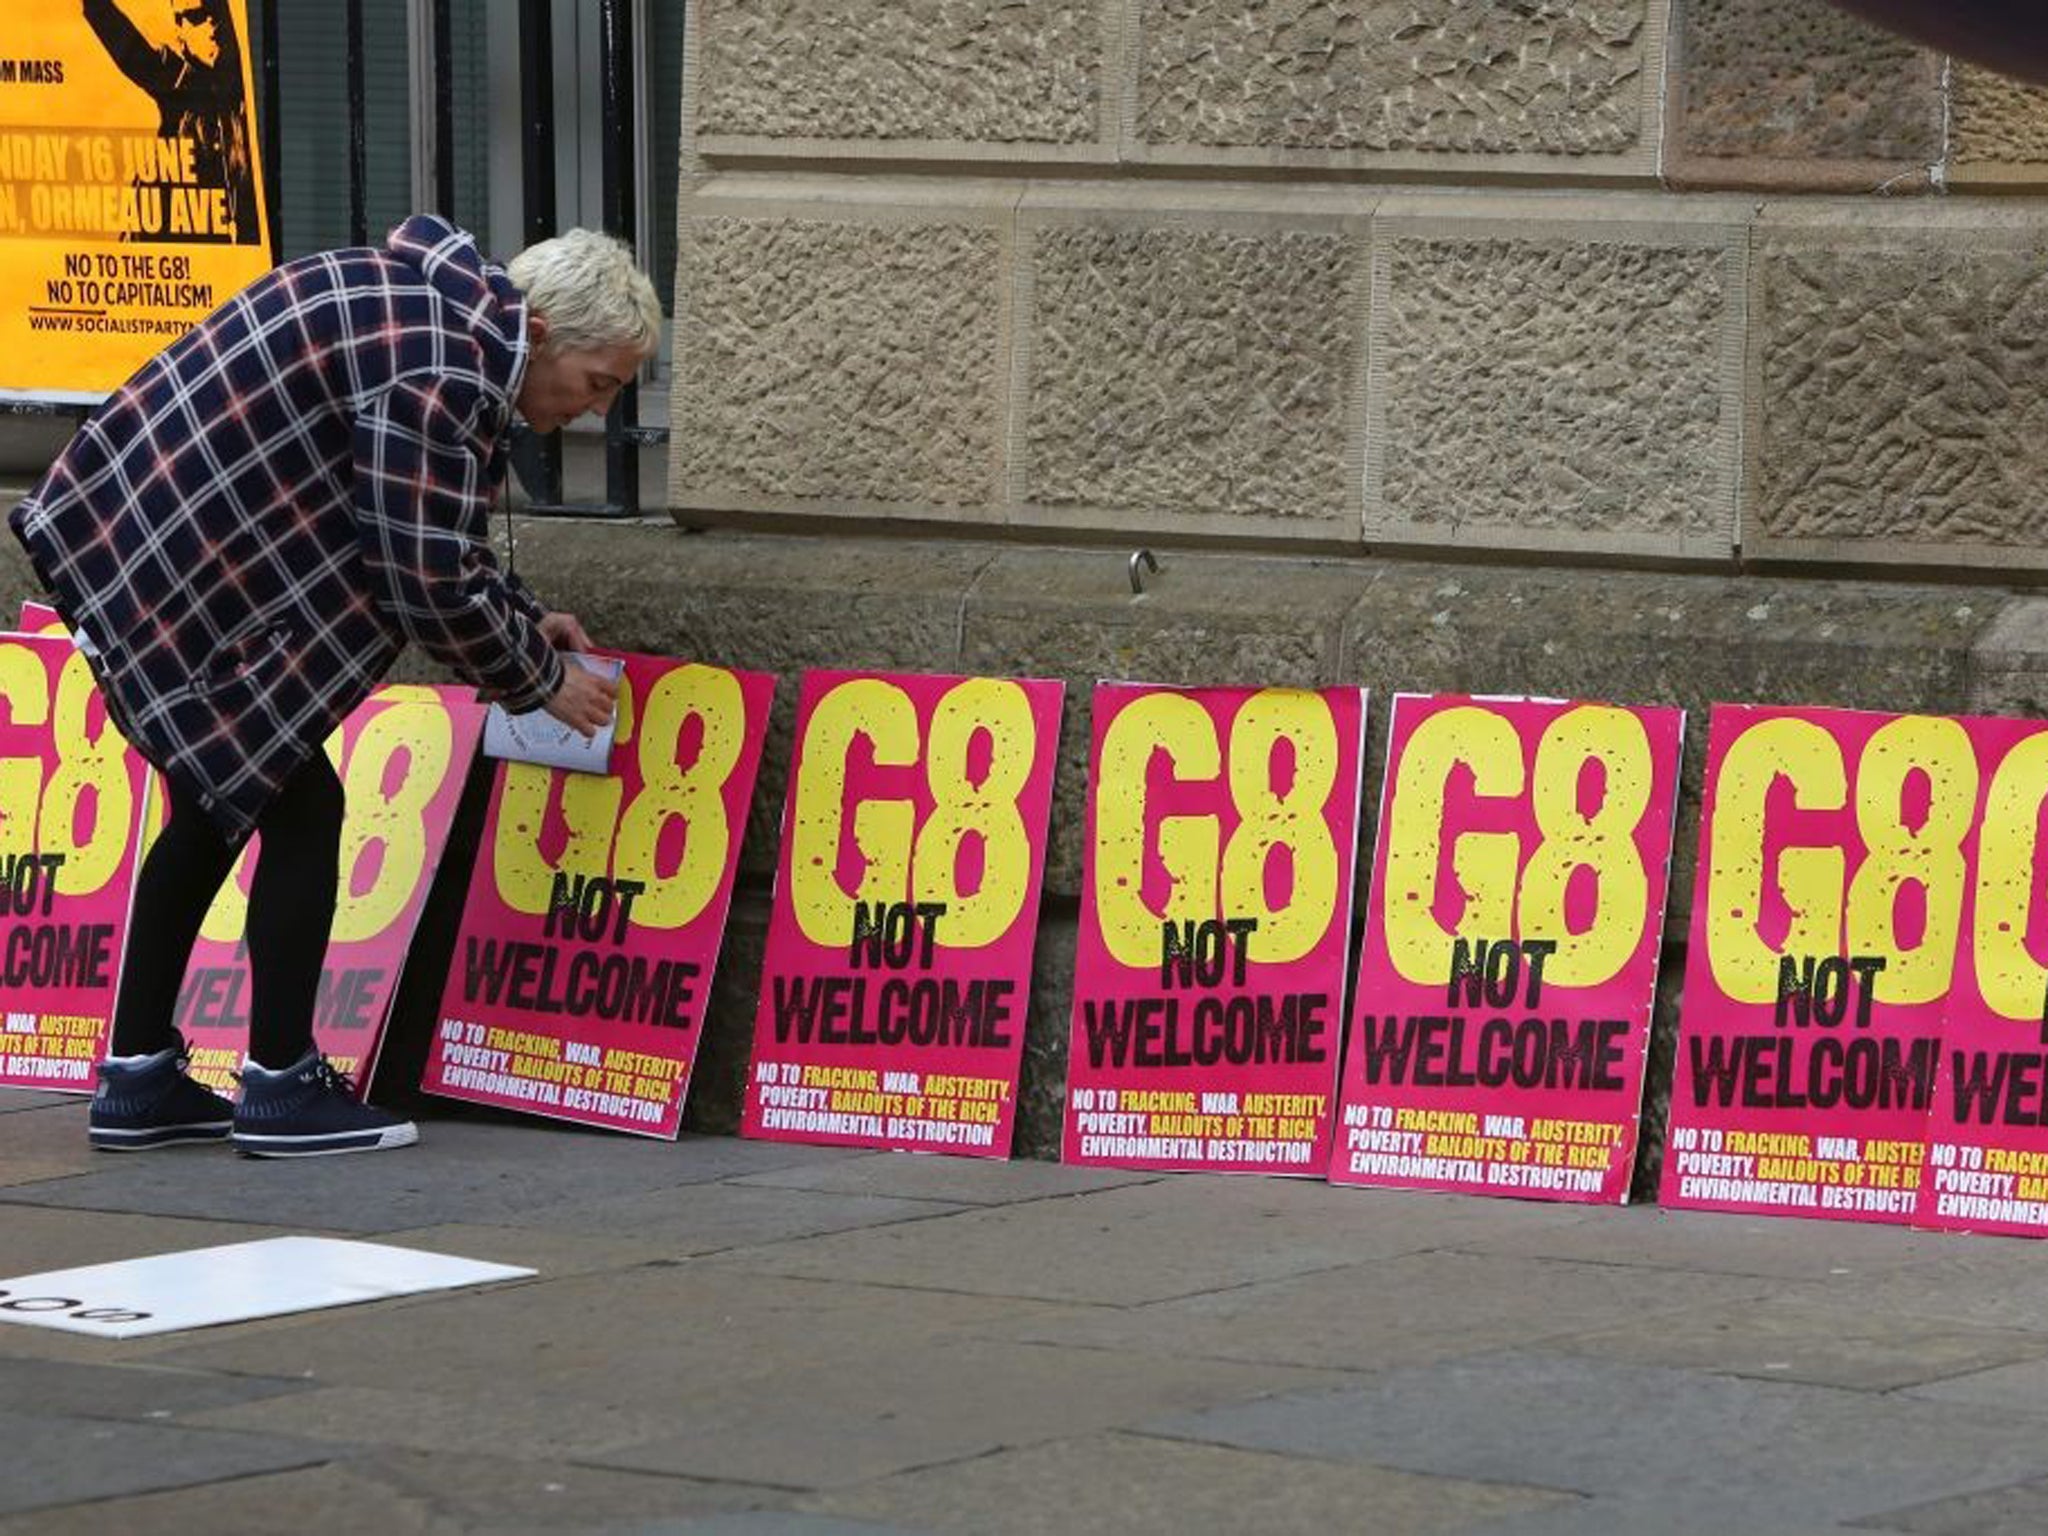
310 1110
152 1103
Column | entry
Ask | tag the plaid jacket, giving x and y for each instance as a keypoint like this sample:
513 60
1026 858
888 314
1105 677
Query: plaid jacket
252 527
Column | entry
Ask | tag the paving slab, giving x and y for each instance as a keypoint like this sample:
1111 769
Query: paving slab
56 1460
398 1494
1130 1485
1149 1242
472 1423
709 1218
1402 1311
2021 1387
771 1522
554 1254
36 1239
2019 1509
1707 1240
35 1170
1993 1282
966 1180
640 1338
461 1171
1729 1452
1017 1345
35 1098
876 1411
1826 1340
47 1141
1650 1512
89 1390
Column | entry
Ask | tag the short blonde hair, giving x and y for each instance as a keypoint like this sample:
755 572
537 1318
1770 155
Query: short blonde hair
589 289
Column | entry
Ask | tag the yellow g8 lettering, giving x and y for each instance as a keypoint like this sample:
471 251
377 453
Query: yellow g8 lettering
1604 842
590 814
696 795
2012 983
35 815
882 829
895 850
1809 879
1832 913
1896 855
414 722
1189 846
1212 879
1483 862
1293 821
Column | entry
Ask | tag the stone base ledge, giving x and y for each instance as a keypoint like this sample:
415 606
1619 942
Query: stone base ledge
784 604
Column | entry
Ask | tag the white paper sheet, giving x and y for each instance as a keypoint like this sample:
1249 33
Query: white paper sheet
538 737
203 1287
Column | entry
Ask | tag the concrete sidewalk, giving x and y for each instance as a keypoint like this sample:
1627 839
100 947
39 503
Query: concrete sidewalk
735 1337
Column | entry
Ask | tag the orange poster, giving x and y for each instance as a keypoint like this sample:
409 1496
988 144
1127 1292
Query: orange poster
131 203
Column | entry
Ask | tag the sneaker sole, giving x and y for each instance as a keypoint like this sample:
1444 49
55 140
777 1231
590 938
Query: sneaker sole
330 1145
105 1139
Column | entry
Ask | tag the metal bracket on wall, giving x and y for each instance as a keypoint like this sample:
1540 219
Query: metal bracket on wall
1150 563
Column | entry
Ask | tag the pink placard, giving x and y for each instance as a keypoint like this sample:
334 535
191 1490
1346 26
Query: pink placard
70 795
1215 919
898 965
1502 1006
1987 1135
1837 852
402 756
597 908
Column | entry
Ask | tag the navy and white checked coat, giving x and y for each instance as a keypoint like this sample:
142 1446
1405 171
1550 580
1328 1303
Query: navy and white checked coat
253 526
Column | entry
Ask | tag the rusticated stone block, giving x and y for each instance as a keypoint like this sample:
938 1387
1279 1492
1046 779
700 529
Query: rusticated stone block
829 364
1798 96
1998 129
1182 376
1895 386
1573 387
775 76
1397 83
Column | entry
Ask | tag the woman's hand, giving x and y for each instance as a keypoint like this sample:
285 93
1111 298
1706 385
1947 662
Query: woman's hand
564 632
585 700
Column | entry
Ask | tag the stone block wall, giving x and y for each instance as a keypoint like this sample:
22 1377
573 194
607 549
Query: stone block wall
1363 276
1895 386
1386 85
1652 350
845 357
1552 374
1800 97
1197 370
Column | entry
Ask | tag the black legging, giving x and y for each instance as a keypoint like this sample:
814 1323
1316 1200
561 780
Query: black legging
291 909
